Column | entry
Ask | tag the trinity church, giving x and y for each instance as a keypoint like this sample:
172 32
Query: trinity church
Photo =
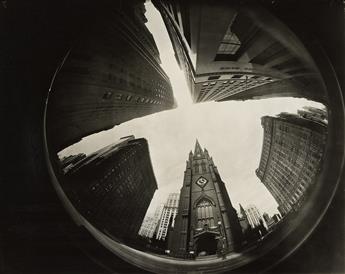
206 221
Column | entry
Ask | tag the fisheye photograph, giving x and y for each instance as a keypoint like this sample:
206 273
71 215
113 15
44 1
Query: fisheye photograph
163 136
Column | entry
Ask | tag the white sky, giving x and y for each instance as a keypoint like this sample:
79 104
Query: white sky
231 131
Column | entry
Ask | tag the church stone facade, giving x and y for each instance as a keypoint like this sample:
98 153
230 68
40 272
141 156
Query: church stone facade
206 222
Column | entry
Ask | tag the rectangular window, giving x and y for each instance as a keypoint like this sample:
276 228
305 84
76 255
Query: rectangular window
230 43
107 95
214 77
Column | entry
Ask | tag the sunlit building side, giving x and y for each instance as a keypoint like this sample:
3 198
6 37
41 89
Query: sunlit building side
169 212
228 53
112 74
150 223
102 184
291 157
254 216
146 227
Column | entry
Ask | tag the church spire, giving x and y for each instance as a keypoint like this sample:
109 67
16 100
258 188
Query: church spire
243 212
197 149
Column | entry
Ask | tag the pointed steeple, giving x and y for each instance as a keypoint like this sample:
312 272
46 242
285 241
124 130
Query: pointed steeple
197 149
243 212
206 153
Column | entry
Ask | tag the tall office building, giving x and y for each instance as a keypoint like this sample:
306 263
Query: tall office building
254 216
206 220
150 224
112 74
291 157
230 51
113 187
169 213
145 229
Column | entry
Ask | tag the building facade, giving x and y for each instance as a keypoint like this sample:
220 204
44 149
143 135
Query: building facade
235 52
291 157
254 216
150 224
101 185
271 221
146 227
314 114
67 163
169 213
206 220
111 75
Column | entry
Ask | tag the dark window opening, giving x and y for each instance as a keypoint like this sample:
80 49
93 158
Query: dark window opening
214 77
107 95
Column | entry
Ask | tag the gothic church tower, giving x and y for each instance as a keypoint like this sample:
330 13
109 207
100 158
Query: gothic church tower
206 221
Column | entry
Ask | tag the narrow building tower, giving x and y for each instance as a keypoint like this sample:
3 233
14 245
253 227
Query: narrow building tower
206 222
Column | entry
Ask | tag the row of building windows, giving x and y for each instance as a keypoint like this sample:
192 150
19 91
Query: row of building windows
124 77
224 89
282 195
125 72
128 98
292 195
238 79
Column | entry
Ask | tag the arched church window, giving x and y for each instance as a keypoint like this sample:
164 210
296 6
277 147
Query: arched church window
205 213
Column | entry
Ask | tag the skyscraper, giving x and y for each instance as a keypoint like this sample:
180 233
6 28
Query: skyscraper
112 74
291 157
205 214
113 187
150 224
254 216
146 227
229 52
169 212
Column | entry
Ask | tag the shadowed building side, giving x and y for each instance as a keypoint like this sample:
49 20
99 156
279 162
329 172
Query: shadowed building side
206 222
112 74
101 185
299 86
231 52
